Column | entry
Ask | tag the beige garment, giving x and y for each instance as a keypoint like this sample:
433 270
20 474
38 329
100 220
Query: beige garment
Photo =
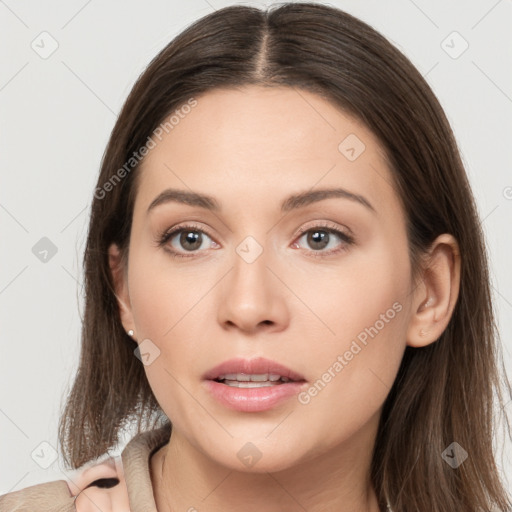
132 493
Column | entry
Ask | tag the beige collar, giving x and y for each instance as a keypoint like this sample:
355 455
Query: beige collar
124 482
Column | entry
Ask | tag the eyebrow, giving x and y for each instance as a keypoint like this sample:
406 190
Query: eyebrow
291 203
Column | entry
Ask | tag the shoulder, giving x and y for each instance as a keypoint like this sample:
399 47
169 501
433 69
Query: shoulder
43 497
100 485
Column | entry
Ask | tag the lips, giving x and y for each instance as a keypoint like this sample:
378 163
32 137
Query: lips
247 371
252 385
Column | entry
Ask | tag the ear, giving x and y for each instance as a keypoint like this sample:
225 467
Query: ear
436 292
119 271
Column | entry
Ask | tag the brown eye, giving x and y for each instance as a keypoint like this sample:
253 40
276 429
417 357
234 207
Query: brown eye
191 240
319 238
185 239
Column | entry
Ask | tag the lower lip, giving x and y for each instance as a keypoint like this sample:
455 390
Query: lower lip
252 399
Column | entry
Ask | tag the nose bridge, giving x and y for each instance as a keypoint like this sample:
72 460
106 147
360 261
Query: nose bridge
250 277
252 294
251 262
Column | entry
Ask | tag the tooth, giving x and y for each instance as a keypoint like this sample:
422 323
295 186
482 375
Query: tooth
239 384
260 377
236 376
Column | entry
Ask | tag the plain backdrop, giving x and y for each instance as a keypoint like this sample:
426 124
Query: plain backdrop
66 68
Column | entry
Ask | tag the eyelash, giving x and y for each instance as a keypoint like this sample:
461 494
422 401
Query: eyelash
165 236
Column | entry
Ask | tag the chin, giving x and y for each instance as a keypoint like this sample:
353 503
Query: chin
257 456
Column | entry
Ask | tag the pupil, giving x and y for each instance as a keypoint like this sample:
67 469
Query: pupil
319 237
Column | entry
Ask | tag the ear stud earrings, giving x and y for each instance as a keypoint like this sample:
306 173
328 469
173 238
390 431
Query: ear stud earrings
130 332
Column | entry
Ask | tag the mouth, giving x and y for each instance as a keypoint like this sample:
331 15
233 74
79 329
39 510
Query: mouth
252 373
252 385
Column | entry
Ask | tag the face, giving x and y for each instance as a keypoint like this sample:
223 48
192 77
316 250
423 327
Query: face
318 284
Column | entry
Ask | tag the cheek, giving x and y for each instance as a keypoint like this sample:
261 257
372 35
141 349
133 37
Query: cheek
354 371
364 286
163 294
166 306
353 375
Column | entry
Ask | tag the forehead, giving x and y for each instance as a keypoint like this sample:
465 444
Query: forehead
265 141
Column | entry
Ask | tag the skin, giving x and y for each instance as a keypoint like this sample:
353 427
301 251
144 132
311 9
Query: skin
251 148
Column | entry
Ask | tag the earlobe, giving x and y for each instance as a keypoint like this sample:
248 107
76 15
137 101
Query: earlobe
436 295
120 281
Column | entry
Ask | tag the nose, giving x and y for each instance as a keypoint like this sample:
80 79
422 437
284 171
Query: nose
252 297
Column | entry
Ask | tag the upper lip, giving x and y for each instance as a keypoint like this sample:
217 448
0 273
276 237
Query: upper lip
255 366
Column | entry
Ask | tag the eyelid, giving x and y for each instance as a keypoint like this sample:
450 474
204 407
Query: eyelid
326 224
300 231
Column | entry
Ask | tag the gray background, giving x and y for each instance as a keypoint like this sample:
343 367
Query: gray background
57 113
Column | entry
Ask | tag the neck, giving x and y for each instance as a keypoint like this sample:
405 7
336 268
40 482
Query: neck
185 479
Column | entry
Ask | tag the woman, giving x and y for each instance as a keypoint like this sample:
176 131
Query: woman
286 282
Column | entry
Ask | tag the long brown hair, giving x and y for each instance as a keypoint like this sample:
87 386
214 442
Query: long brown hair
444 392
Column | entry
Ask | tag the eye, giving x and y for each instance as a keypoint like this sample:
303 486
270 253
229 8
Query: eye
185 239
191 239
325 236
